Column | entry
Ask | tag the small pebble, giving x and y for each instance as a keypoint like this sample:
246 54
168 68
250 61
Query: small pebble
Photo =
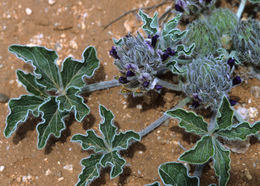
3 98
2 168
68 167
51 2
255 91
48 172
61 178
139 106
253 112
243 112
248 175
28 11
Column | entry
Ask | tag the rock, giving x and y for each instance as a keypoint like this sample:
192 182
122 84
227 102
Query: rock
68 167
255 91
2 168
3 98
243 112
252 112
28 11
248 175
51 2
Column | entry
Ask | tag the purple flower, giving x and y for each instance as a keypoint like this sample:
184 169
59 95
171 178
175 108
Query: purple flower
232 102
170 51
154 40
164 56
196 97
231 62
146 83
195 104
113 53
237 80
123 80
158 87
130 73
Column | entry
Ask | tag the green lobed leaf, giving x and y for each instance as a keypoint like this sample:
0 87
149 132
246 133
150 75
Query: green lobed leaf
91 169
170 26
19 111
150 25
226 114
174 173
70 101
189 121
240 131
115 161
121 140
74 71
201 153
221 160
53 122
254 1
44 62
29 81
181 49
90 141
107 127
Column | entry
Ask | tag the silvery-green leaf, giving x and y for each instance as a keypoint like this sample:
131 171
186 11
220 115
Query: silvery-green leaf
107 128
170 25
226 114
71 101
90 141
44 62
189 121
174 173
254 1
91 169
181 49
74 71
19 110
240 131
53 122
221 160
29 81
201 153
150 25
117 42
121 140
115 160
153 184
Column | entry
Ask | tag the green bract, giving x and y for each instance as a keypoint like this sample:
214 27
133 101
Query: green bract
225 23
209 146
208 80
246 42
106 148
203 35
53 93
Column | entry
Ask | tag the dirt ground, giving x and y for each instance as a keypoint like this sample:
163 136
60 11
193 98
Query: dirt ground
69 27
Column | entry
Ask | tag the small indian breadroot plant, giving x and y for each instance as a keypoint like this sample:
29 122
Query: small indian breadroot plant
203 57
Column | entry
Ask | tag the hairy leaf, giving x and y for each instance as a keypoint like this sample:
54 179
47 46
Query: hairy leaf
240 131
226 114
174 173
53 122
189 121
153 184
70 101
201 153
221 163
74 71
181 49
170 26
115 161
107 128
44 62
121 140
91 169
150 25
254 1
108 145
90 141
29 81
19 111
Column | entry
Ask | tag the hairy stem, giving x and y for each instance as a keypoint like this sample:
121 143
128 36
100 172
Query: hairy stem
241 8
198 170
212 124
163 118
168 85
100 86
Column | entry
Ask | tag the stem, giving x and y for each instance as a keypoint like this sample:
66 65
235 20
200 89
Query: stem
212 124
169 85
100 86
198 170
163 118
241 8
